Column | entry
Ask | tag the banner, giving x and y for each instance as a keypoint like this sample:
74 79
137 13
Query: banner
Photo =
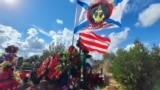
98 14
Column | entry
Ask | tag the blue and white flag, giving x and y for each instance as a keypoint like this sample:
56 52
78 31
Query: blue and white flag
98 14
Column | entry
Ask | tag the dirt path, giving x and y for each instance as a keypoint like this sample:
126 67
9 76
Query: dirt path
113 85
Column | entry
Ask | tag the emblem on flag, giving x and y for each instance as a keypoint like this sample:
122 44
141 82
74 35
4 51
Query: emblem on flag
98 12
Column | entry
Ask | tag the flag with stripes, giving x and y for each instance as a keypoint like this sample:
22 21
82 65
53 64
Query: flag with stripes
95 42
98 14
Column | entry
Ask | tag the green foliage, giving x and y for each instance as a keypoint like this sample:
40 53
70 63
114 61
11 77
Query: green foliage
109 56
157 86
45 54
59 48
136 69
33 58
27 65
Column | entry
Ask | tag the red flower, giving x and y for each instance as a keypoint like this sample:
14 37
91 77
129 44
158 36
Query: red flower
23 74
9 85
5 75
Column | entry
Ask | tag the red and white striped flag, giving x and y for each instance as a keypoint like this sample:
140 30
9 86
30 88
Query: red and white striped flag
94 42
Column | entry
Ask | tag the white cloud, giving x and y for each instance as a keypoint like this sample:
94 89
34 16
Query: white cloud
137 5
32 45
52 33
8 36
116 39
64 37
32 32
96 55
59 21
72 1
128 47
40 30
43 32
149 16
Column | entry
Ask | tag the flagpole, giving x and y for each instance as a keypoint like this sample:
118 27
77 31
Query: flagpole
84 71
73 38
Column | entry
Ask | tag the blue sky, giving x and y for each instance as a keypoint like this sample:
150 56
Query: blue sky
34 24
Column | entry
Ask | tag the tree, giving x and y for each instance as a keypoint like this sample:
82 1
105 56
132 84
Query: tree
155 57
53 49
134 69
109 56
45 54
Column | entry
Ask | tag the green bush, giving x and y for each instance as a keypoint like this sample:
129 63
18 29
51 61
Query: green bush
137 69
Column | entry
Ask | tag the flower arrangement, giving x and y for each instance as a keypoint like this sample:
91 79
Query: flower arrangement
7 66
